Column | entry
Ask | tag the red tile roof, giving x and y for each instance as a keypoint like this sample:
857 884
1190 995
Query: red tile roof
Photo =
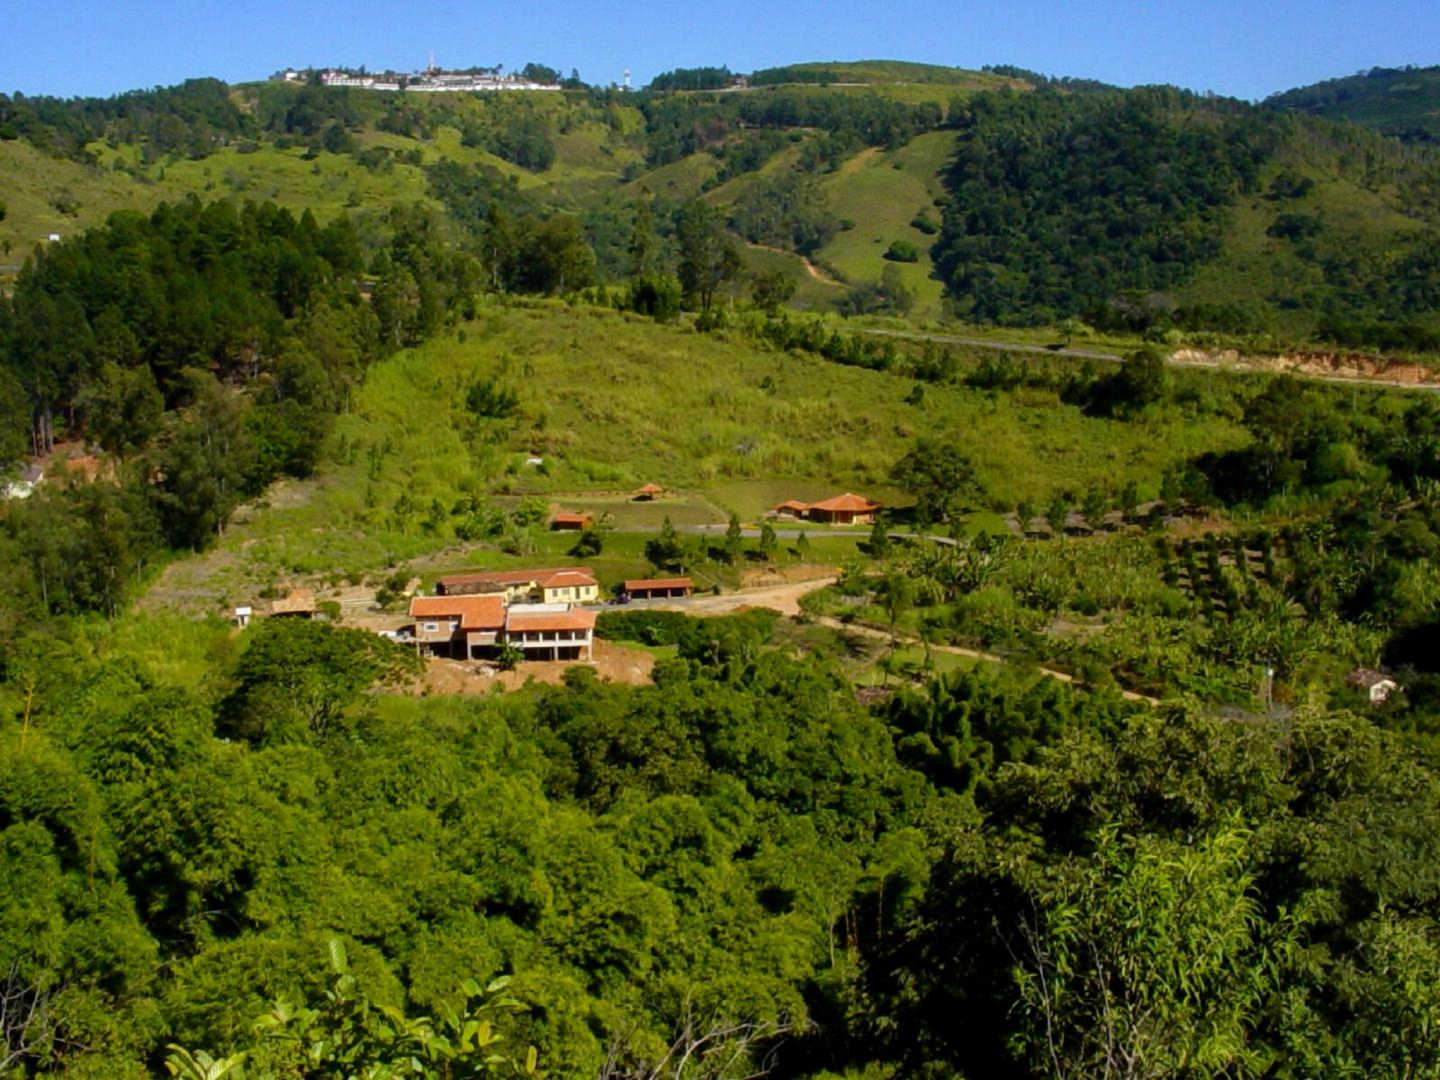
574 619
482 612
511 577
570 519
651 489
793 504
561 578
847 502
659 583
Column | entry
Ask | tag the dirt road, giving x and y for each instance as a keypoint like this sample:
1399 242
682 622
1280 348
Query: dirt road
1358 373
782 598
960 650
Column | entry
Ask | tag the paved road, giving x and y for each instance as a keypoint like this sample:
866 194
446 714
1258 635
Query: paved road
792 534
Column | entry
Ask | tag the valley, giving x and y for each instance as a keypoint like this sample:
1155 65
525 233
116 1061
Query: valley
844 571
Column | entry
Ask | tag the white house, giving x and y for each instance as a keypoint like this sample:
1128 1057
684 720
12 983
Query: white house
1376 684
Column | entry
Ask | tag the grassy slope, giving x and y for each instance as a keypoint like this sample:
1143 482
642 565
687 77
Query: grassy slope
327 185
811 293
613 401
881 191
29 181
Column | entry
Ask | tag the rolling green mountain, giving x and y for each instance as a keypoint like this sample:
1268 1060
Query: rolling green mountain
1404 102
875 186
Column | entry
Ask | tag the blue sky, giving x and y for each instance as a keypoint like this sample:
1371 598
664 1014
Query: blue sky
1243 48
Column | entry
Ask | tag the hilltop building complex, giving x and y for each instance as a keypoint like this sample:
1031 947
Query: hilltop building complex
430 81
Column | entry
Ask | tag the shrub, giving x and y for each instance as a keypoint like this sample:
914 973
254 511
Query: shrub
925 223
903 251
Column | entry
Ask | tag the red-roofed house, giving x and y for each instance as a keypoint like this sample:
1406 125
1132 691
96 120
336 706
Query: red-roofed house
648 492
657 588
569 587
462 624
847 509
551 631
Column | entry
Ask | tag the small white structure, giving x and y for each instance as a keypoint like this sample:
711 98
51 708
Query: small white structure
242 615
54 238
23 486
1376 684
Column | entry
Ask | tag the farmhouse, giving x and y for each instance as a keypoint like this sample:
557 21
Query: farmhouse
551 631
648 492
659 588
846 509
462 624
570 584
477 625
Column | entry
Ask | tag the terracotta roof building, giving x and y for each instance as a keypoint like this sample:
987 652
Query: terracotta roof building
649 491
469 622
551 631
846 509
571 521
469 626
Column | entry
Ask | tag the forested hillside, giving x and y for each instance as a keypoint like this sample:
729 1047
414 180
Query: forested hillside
1156 210
1403 102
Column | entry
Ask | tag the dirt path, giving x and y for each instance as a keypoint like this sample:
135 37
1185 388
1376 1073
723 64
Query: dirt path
786 600
810 268
959 650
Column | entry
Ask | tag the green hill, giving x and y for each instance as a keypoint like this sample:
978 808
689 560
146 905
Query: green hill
1157 210
996 196
1404 102
883 73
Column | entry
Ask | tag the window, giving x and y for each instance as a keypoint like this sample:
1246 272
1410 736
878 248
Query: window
432 627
